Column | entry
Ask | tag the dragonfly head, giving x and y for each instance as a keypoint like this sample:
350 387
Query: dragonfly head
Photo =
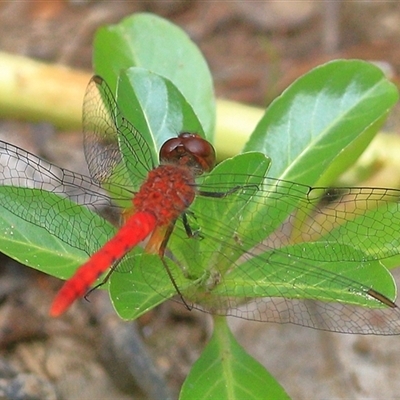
191 150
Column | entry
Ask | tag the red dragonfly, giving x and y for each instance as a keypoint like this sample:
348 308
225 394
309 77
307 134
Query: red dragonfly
260 267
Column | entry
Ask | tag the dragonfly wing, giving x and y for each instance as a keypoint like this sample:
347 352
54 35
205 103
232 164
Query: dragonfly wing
333 317
33 189
115 150
278 286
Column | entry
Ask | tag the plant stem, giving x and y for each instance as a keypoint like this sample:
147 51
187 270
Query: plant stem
35 91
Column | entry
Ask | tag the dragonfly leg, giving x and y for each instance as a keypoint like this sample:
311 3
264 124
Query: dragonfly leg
188 229
220 195
161 252
103 282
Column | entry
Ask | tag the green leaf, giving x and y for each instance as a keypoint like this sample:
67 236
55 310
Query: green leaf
156 106
35 247
327 116
225 371
145 284
150 42
52 227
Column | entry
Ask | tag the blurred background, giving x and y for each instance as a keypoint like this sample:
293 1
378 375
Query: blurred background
255 49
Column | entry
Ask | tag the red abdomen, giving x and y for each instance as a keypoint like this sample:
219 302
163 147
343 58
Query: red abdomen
136 229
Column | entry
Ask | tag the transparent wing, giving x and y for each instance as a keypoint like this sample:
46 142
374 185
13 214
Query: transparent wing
363 218
115 150
20 170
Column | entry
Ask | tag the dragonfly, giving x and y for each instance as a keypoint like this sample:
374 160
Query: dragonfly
249 229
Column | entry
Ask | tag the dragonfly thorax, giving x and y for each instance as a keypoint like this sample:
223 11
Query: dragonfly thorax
166 193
